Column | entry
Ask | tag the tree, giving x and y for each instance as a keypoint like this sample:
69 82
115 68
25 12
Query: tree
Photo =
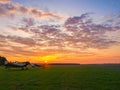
2 60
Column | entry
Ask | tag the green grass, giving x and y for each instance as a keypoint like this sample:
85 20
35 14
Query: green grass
60 78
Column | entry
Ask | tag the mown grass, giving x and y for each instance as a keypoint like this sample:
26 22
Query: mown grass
60 78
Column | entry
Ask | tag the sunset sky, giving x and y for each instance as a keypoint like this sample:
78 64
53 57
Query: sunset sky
60 31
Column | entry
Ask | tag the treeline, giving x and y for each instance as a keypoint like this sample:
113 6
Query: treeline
2 60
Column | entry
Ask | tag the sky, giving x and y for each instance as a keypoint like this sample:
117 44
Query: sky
60 31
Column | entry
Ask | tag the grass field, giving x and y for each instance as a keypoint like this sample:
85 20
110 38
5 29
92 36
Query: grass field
60 78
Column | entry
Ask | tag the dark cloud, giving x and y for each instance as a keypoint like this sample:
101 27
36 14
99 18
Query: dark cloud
28 22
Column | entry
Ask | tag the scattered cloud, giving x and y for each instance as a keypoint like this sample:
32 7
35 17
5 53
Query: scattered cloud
78 32
89 33
72 35
11 9
5 1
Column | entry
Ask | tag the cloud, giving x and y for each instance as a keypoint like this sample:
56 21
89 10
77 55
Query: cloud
5 1
17 39
75 34
85 32
12 9
40 13
28 22
78 32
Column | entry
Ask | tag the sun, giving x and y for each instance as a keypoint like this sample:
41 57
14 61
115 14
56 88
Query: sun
46 61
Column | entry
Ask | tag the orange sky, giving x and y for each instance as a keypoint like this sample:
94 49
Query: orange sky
88 56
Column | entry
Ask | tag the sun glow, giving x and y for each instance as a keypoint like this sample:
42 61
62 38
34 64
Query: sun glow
46 61
50 57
